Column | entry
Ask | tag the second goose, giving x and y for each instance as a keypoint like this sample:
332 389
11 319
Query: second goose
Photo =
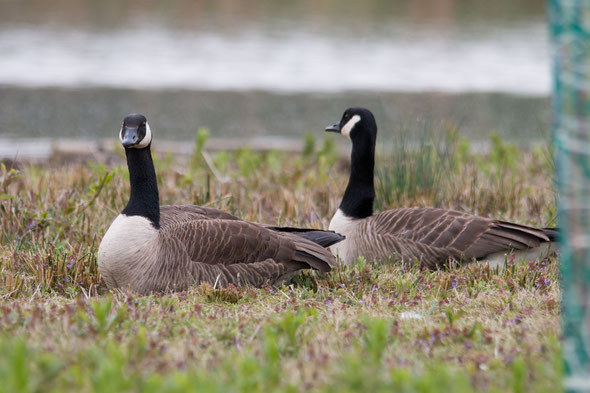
429 235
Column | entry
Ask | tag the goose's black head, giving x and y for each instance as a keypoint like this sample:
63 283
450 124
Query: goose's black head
356 123
135 132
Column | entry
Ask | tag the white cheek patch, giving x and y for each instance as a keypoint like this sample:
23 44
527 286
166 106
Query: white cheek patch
146 139
121 135
349 125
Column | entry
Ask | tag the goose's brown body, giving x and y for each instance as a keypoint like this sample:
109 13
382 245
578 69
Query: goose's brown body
191 247
432 237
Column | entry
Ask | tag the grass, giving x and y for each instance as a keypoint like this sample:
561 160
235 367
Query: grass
371 327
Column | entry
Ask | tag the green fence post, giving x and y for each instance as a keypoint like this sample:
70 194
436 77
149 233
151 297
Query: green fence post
569 22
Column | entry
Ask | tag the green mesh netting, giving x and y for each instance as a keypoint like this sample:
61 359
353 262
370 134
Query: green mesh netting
569 22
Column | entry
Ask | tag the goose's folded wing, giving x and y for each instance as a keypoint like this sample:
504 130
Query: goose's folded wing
409 251
461 234
226 242
170 215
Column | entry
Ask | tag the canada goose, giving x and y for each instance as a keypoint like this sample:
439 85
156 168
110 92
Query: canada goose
430 235
149 248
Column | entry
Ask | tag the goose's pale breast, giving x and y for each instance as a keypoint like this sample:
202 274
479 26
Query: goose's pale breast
128 246
348 249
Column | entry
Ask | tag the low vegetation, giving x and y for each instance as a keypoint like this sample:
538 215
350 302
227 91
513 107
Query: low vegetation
372 327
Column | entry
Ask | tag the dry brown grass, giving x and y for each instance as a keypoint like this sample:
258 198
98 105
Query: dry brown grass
372 327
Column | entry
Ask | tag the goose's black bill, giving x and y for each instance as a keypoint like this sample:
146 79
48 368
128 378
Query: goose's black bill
130 136
333 128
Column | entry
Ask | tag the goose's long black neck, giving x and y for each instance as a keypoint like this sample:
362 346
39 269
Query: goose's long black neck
144 199
360 192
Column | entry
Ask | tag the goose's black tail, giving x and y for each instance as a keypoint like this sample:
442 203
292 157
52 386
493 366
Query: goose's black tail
552 233
323 238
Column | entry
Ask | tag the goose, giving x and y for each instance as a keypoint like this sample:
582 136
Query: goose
152 248
431 236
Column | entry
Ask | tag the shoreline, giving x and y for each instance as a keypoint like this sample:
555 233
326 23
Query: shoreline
41 150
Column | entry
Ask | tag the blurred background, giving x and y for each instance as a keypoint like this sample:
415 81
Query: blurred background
73 69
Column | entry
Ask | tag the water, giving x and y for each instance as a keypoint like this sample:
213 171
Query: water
74 68
293 61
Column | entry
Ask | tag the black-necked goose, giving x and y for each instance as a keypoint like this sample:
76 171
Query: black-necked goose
151 248
429 235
